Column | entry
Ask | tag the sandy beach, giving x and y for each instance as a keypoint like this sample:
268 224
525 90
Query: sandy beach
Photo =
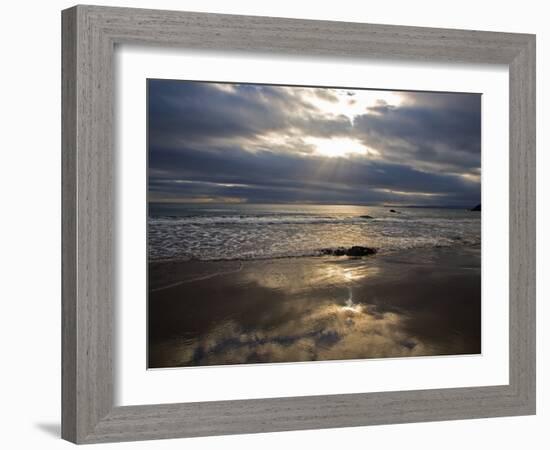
417 302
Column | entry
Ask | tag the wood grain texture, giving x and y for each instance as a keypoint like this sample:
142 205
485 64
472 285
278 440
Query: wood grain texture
68 224
523 224
89 36
88 209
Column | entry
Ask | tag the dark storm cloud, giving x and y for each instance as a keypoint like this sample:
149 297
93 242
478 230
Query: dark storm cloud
252 143
435 129
202 111
190 111
270 177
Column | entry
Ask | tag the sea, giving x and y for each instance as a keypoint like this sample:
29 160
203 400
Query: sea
210 232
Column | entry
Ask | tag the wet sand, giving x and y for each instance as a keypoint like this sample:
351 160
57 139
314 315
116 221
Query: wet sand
412 303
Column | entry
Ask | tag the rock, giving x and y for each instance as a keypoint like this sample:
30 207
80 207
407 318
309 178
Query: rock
393 210
356 250
476 208
366 217
340 251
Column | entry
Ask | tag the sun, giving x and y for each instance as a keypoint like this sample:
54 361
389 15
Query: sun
337 147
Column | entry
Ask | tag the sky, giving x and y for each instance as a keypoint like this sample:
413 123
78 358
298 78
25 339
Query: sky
252 143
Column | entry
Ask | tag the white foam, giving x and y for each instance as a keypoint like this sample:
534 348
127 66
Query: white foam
242 234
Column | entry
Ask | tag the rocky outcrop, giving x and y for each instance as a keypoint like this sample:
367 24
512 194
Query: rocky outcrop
366 216
356 250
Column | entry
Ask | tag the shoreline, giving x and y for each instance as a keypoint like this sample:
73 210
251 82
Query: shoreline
157 268
416 302
322 253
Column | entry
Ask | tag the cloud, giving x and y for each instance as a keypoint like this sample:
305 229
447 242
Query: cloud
254 143
436 131
267 177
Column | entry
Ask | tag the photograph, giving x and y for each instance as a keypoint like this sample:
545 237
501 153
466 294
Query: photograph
292 224
265 225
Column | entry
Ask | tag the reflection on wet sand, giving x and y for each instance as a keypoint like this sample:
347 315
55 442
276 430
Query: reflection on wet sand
311 309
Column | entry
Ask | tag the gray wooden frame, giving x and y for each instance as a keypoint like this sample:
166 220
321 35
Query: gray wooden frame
89 36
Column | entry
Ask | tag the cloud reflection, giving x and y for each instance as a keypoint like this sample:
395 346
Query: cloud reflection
326 333
310 309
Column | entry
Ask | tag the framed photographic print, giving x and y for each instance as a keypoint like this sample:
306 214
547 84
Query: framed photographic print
278 224
261 199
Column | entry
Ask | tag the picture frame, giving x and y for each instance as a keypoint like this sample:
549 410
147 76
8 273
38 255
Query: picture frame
90 34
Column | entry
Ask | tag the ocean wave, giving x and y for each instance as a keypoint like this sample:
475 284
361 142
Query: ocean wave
252 220
294 219
266 236
331 252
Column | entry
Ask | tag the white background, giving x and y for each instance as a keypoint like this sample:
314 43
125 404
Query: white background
135 386
30 225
